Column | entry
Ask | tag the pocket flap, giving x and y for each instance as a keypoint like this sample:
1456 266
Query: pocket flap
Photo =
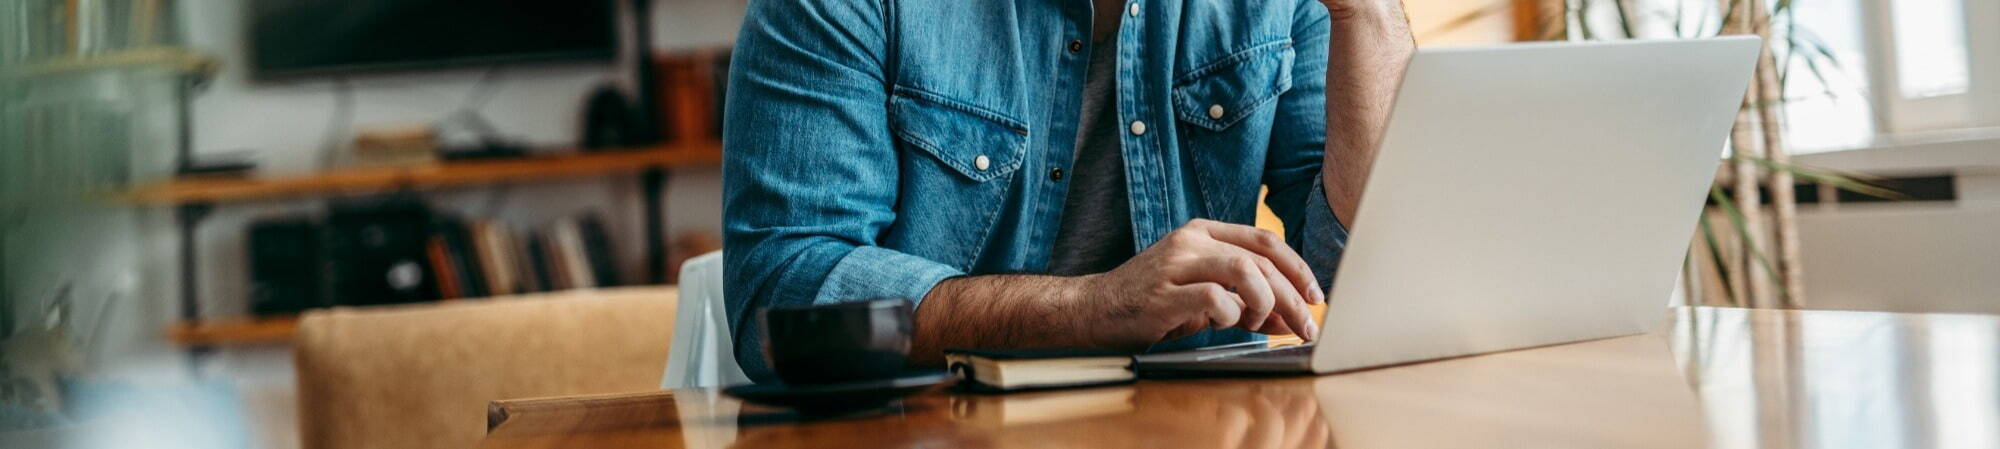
1220 93
975 142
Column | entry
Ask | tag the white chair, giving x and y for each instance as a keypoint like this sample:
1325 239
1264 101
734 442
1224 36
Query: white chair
703 354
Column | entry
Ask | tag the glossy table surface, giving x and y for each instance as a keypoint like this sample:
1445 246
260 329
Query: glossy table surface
1714 377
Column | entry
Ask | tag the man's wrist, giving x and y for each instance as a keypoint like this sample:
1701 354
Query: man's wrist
1072 305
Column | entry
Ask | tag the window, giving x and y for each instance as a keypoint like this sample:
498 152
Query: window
1826 88
1853 70
1922 59
1902 67
1929 39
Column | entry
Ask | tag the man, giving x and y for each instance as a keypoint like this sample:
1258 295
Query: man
1051 173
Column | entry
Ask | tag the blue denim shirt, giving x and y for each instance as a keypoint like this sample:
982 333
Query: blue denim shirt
873 148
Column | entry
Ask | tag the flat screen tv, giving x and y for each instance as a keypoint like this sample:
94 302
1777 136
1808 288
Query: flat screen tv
300 38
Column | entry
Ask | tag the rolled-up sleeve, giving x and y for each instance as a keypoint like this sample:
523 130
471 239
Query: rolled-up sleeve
1292 170
809 168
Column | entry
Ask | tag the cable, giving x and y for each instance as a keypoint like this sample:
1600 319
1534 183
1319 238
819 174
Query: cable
482 91
468 113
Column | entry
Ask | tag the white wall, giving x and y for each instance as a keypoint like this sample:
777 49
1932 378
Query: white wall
1915 257
1905 259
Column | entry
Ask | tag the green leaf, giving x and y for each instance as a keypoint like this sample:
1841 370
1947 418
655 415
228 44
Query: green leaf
1812 65
1624 19
1736 220
1583 20
1852 182
1680 12
1715 256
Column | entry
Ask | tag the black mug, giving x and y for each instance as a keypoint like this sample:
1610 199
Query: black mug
838 343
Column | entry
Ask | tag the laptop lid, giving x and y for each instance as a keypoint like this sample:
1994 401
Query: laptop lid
1531 194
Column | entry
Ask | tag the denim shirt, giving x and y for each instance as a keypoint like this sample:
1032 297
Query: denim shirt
873 148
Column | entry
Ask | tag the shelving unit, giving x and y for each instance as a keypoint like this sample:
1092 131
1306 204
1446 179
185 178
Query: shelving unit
174 59
194 198
154 82
271 330
426 176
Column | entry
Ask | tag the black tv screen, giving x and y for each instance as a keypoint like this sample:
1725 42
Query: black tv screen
293 38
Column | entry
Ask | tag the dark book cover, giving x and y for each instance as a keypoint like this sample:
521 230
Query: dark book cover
597 249
467 259
465 263
524 262
538 263
1025 354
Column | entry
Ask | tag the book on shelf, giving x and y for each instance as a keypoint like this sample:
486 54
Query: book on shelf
465 267
442 269
526 279
565 278
482 258
597 250
491 244
544 273
567 237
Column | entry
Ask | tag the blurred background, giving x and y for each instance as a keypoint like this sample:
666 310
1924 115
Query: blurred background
182 179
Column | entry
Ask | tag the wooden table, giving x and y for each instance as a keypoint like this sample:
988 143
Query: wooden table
1715 377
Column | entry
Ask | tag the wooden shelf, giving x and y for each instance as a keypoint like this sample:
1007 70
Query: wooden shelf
168 58
272 330
278 329
427 176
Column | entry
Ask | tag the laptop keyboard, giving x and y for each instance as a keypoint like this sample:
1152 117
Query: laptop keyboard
1281 352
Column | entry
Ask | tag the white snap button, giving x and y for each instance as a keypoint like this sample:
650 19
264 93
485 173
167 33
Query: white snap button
1215 111
1138 128
1134 10
981 162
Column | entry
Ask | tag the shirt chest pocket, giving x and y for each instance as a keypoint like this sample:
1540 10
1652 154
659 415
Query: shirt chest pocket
956 162
1226 107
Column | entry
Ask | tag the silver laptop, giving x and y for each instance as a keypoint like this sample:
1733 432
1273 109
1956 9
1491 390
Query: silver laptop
1524 195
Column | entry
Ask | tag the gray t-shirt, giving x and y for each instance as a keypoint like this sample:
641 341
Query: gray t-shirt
1096 233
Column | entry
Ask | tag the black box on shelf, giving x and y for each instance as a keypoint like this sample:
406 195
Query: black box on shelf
376 253
286 267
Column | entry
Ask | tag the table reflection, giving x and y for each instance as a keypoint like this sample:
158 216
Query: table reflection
1843 379
1624 392
1727 378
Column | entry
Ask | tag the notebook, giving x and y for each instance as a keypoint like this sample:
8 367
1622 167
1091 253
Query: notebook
1012 370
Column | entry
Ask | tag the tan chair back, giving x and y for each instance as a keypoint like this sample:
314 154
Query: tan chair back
421 376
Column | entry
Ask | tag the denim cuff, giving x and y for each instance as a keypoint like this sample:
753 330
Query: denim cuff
1323 238
871 272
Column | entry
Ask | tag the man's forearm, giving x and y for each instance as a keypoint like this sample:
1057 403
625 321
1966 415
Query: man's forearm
998 311
1369 47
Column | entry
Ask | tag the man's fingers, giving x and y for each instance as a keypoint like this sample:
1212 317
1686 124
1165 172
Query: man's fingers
1223 308
1267 244
1290 307
1240 273
1287 304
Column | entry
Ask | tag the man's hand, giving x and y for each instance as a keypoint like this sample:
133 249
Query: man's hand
1369 47
1206 274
